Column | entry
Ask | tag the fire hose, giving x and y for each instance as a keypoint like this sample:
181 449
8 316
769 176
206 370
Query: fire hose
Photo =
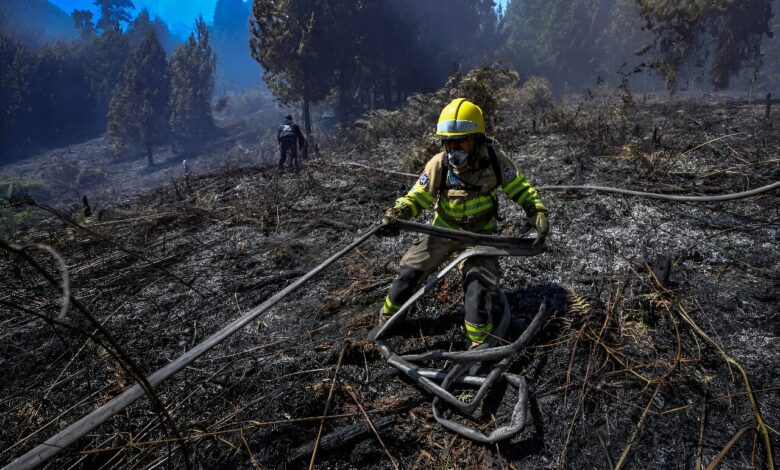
496 246
464 361
43 452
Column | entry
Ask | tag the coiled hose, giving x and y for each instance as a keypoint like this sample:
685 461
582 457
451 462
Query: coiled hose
488 245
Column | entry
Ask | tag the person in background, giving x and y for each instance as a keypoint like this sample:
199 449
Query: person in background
288 136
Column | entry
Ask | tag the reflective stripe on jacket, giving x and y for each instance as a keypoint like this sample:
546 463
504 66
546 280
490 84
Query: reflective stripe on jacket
467 200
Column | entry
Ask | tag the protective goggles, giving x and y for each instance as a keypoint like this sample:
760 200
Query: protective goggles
454 140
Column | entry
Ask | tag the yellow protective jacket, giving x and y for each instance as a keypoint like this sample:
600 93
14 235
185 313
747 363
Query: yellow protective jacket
467 199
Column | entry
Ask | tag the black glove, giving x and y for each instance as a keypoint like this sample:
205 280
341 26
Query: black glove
542 224
388 227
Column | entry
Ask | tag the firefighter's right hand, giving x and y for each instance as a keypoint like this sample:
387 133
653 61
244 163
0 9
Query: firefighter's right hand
542 224
388 227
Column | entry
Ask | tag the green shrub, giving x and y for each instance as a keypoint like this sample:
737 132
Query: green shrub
494 90
536 96
13 219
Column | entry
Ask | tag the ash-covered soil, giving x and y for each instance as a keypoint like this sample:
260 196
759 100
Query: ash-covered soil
632 370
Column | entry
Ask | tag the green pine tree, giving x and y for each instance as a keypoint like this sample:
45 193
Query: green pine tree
192 85
139 28
103 58
731 31
14 83
112 13
137 117
82 19
290 41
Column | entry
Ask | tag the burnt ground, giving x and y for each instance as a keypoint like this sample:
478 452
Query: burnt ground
621 375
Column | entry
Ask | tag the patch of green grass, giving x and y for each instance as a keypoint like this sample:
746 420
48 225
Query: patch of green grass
13 219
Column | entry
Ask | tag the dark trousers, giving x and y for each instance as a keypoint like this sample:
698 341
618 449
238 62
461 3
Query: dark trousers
286 145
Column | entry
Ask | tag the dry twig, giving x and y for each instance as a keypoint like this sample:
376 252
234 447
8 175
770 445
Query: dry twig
327 404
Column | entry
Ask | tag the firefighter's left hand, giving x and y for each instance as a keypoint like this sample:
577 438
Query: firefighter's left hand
542 224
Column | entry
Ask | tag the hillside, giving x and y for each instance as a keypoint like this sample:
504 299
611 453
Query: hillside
656 305
34 22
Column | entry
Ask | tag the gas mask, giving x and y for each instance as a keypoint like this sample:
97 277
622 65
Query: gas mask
458 158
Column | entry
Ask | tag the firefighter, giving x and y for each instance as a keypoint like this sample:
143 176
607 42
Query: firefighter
460 184
288 135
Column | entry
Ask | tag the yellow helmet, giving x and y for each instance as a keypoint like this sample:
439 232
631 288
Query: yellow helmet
460 118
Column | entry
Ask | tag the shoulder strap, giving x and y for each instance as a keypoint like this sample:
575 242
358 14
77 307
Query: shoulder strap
494 164
499 180
444 171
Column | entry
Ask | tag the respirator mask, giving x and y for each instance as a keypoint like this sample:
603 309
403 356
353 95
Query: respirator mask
457 158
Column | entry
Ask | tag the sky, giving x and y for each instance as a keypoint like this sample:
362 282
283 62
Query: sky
180 15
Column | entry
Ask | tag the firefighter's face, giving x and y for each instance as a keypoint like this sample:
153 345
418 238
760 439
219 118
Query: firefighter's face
459 151
465 144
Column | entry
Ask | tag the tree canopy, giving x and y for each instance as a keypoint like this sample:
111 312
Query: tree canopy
359 56
192 86
113 13
735 26
564 39
368 53
137 118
